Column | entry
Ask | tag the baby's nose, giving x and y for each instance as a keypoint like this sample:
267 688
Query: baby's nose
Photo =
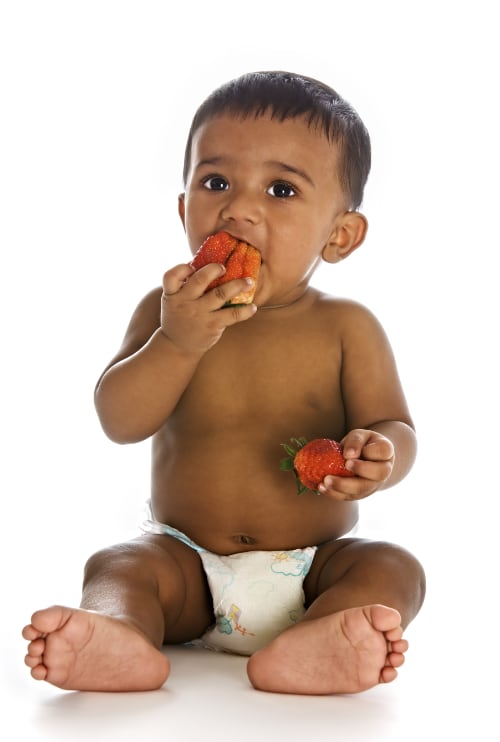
242 207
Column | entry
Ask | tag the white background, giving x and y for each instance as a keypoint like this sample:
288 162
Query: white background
96 99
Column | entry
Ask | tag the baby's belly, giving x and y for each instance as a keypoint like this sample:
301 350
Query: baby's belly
225 490
228 514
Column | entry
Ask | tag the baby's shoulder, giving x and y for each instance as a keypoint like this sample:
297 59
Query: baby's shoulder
145 317
354 324
149 305
342 308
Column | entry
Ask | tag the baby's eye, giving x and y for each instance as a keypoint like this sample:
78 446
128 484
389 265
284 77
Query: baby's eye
216 183
281 190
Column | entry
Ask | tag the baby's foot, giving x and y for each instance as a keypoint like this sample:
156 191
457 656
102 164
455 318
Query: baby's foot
347 652
83 650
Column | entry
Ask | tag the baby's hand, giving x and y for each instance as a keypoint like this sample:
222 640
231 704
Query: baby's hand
190 315
370 457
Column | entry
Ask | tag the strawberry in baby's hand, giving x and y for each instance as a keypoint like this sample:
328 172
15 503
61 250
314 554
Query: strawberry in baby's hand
240 259
312 461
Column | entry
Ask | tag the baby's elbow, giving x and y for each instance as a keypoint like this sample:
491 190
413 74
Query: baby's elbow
118 424
121 435
116 432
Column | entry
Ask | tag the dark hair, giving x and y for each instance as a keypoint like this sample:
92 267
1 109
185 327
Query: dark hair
287 95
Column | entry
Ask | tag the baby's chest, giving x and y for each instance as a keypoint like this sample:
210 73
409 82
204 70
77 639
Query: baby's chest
273 380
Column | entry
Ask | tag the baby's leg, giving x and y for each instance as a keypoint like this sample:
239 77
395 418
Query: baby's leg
136 596
350 638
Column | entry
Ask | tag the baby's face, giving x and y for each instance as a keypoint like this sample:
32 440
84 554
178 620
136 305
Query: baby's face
271 183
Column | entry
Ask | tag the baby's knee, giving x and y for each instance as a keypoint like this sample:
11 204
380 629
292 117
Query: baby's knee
405 569
98 562
113 560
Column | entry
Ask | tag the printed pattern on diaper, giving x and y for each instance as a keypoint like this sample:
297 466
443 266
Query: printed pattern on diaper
256 595
294 563
231 622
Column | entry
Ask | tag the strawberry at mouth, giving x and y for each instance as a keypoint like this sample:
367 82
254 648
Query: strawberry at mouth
240 259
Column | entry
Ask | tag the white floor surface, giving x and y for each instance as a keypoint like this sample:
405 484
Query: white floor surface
208 697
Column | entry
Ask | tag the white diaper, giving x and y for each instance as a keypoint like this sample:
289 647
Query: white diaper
256 594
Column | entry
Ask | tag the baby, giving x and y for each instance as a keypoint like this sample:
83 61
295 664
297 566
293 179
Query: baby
230 556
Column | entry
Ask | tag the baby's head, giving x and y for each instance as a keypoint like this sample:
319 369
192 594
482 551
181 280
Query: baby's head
285 95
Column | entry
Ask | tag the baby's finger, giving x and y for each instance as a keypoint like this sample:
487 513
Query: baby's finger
234 313
346 488
353 443
221 295
378 450
175 278
375 471
198 282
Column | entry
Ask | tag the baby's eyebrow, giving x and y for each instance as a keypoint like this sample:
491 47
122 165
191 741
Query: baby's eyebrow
277 164
290 169
210 161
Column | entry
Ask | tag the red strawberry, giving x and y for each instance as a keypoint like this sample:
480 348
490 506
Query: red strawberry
240 259
312 461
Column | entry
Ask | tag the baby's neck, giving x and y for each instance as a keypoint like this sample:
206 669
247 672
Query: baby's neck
290 303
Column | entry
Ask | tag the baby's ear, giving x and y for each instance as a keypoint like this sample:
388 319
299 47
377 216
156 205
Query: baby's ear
181 209
348 234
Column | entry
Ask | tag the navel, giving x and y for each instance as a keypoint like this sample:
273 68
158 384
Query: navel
243 538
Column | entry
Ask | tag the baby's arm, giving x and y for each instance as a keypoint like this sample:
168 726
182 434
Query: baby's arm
168 334
380 445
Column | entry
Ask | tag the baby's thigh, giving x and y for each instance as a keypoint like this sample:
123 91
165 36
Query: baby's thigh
163 568
359 562
183 589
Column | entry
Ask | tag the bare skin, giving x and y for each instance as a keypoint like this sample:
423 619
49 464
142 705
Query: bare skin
199 380
82 650
346 652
